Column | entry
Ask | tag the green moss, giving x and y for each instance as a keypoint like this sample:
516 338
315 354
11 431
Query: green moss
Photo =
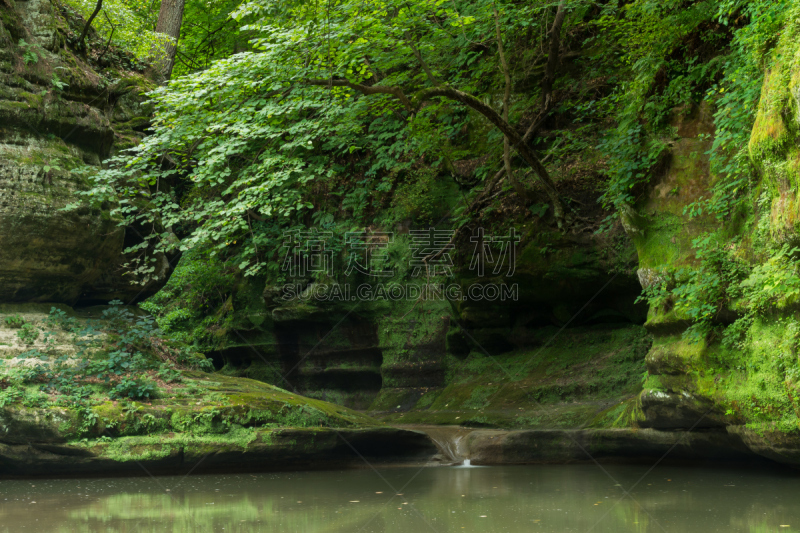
153 447
391 398
667 321
203 409
565 384
33 100
755 384
673 354
258 370
772 134
625 414
479 397
207 305
427 399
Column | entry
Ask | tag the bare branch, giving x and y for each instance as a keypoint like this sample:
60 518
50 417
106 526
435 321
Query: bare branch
372 70
518 187
422 63
256 216
113 29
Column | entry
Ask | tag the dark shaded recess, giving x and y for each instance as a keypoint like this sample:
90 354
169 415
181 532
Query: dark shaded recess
346 370
500 327
314 365
242 358
427 374
341 379
89 136
365 355
288 347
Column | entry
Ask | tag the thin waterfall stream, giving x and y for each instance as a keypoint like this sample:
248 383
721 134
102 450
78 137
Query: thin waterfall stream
450 440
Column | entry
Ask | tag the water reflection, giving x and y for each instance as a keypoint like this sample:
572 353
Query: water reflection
444 500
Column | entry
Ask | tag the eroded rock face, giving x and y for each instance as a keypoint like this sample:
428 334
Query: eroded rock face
47 255
702 383
57 115
666 410
490 447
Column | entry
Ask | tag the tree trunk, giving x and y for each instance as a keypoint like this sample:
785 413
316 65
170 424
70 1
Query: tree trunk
519 187
553 56
170 16
82 39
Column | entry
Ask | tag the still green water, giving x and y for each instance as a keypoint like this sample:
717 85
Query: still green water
508 499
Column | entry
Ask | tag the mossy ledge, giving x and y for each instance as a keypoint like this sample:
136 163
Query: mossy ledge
227 423
256 450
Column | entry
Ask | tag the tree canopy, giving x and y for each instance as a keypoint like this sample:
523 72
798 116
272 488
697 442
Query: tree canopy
359 92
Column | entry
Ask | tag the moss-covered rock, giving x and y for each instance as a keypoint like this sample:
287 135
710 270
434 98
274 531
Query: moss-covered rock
231 421
740 374
48 131
238 451
658 225
579 378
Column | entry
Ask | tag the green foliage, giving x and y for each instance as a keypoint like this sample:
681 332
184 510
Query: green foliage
168 373
722 64
9 395
257 140
735 98
133 388
127 23
115 356
633 155
422 196
721 282
28 333
207 34
709 287
760 275
58 85
663 74
29 55
774 283
188 307
276 138
303 416
14 321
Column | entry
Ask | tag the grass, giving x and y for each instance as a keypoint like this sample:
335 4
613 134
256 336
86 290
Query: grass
570 382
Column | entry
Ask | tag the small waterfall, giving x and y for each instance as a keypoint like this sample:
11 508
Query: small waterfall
450 441
449 448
